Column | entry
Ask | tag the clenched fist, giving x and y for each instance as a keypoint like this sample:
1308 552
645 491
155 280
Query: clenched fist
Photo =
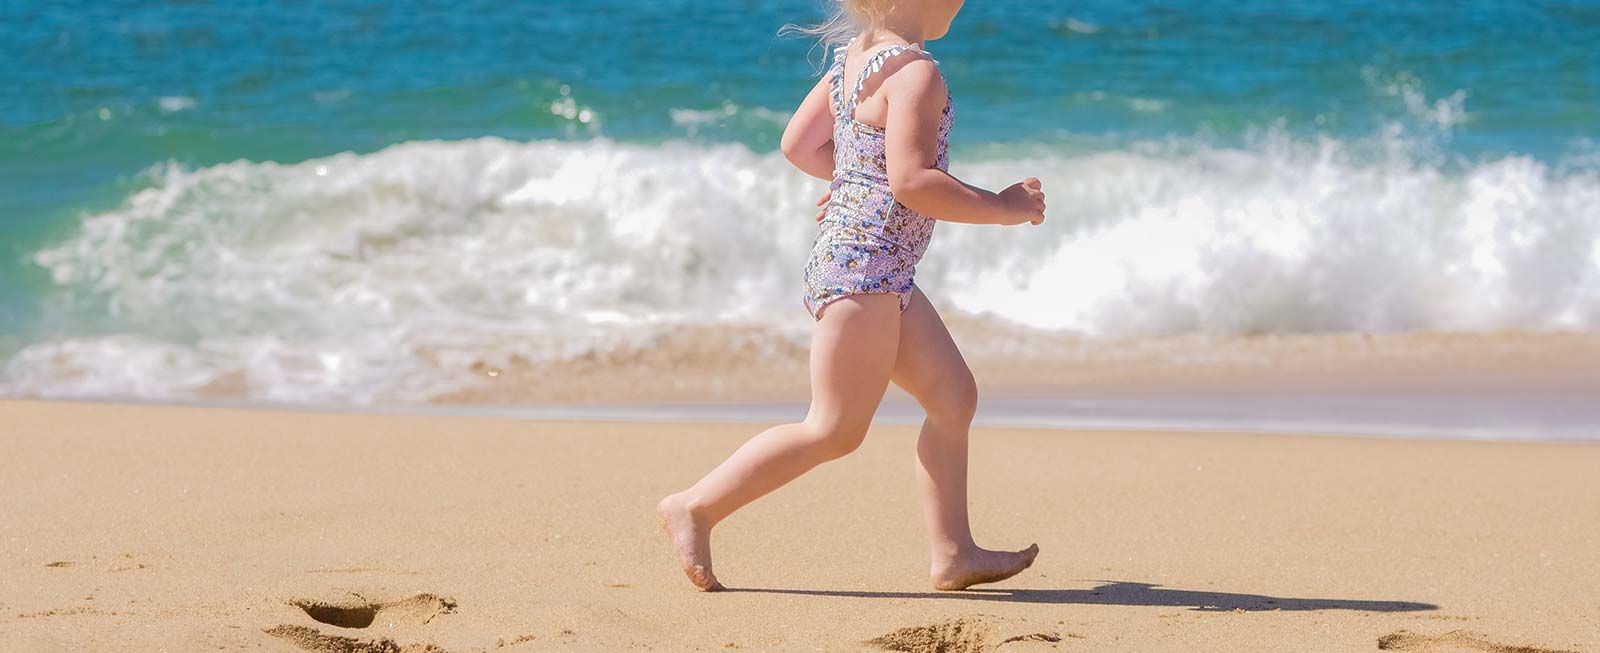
1024 202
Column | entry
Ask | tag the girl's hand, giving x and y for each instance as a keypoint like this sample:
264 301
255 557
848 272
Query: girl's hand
1024 202
824 204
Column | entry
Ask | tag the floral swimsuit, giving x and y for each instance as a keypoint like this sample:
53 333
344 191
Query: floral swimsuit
867 242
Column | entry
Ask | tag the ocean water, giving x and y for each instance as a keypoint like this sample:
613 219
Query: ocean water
357 201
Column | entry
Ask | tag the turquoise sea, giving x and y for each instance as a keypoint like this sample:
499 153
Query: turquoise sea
354 201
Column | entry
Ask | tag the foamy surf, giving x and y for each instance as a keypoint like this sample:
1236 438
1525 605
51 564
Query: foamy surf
402 275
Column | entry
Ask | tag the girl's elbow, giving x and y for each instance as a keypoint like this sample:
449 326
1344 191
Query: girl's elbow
907 189
789 143
794 147
797 156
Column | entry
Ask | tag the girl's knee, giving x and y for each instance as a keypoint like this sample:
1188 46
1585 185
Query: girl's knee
836 438
956 400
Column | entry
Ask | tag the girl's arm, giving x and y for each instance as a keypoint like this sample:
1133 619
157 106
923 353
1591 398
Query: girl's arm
808 138
916 97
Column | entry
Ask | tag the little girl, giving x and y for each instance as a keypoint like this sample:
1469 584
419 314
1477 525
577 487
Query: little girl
875 125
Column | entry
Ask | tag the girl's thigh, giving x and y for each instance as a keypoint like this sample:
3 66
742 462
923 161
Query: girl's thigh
853 351
929 367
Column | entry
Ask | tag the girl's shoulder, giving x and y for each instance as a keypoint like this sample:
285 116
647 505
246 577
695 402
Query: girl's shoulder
903 65
908 70
882 57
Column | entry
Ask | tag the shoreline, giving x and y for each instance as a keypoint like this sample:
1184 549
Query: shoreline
1517 410
756 364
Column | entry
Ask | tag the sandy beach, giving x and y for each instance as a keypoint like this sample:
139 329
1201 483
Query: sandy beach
366 327
150 528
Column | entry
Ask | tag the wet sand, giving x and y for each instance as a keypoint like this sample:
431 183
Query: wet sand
752 364
146 528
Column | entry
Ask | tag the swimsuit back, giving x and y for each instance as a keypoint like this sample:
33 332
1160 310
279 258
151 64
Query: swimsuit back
860 165
867 241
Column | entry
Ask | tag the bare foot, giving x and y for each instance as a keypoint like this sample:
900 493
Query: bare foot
691 540
978 565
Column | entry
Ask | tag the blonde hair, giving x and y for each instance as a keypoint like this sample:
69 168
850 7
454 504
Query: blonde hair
845 19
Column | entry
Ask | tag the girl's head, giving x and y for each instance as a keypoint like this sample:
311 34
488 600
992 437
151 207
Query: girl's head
930 17
846 18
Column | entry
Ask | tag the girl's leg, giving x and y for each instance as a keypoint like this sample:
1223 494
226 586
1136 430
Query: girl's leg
853 351
931 368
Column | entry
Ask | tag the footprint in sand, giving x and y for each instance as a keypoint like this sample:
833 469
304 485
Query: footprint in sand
357 612
311 639
959 635
1455 640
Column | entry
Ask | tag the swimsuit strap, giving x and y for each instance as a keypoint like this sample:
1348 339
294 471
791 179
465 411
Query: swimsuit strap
873 65
836 79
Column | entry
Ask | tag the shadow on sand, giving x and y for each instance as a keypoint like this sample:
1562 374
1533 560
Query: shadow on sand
1128 593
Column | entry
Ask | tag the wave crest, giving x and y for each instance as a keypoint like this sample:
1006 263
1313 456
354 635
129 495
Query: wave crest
393 276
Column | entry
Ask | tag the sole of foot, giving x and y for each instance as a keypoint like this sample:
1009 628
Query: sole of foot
680 530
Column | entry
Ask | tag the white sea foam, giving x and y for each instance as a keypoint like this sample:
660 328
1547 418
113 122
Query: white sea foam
1077 26
1443 113
175 103
388 276
692 120
1137 104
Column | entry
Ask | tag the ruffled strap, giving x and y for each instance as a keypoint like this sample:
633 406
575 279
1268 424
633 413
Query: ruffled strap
836 78
873 66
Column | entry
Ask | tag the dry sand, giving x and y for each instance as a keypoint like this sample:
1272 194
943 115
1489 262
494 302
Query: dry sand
145 528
